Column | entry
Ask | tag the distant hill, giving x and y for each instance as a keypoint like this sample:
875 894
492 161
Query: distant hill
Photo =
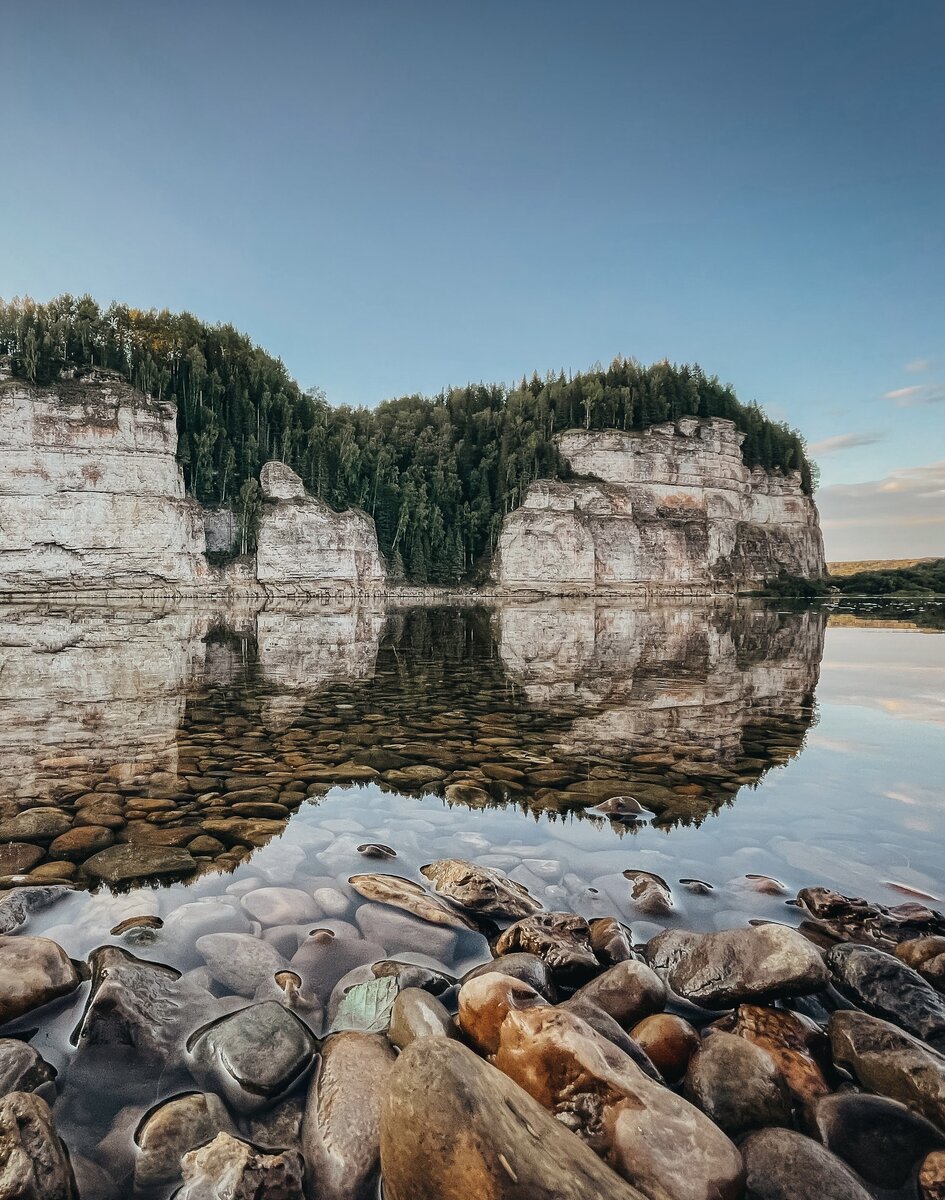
840 569
924 577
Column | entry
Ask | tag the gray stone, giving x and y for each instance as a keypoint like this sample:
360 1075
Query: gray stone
885 986
737 1084
17 905
240 961
783 1165
627 991
22 1069
33 971
253 1056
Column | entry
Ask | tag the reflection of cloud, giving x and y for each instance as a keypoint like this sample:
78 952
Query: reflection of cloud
917 365
886 518
837 745
845 441
918 393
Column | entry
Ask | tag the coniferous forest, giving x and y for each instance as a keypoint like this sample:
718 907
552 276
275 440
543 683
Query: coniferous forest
437 474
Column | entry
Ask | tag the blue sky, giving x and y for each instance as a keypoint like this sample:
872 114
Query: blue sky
396 197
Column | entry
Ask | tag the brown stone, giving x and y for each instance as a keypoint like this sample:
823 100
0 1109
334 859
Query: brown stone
669 1042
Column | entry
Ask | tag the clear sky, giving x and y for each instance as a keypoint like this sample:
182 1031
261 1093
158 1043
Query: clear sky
394 197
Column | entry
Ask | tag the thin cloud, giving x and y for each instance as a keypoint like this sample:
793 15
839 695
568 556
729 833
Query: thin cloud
844 441
918 393
918 365
898 516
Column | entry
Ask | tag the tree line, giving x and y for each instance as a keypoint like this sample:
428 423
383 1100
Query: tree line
438 474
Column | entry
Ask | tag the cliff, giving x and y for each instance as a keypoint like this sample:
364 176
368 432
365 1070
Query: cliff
672 508
304 545
91 495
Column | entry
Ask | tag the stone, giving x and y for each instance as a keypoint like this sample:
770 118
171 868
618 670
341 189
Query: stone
280 906
483 890
638 1126
737 1085
168 1131
927 956
888 1061
137 1018
839 918
230 1169
783 1165
669 1042
35 825
529 968
932 1177
340 1128
415 1014
453 1127
121 864
884 985
650 894
718 970
79 843
376 850
672 505
34 1164
325 957
240 961
253 1056
22 1069
627 991
279 1127
797 1045
611 940
33 971
99 497
562 940
17 906
412 975
411 897
386 926
17 857
882 1140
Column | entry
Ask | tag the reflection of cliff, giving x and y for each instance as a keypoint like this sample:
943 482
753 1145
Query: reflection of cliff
663 679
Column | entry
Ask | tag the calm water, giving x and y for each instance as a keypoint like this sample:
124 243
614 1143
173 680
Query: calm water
785 745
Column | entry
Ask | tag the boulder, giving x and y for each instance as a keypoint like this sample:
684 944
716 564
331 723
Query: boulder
453 1128
783 1165
884 985
33 971
718 970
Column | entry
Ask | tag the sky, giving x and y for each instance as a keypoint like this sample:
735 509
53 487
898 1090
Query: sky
395 198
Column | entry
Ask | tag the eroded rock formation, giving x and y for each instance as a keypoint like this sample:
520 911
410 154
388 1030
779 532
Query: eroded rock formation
306 545
674 507
91 493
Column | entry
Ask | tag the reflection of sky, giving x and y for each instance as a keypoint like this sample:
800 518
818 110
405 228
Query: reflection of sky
901 672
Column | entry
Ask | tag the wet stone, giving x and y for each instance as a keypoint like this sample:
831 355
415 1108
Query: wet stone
22 1069
169 1130
628 992
35 825
411 975
669 1042
528 968
562 940
721 969
280 906
783 1165
239 961
411 897
17 857
611 940
376 850
737 1085
797 1045
885 986
881 1139
34 1164
252 1056
927 956
932 1177
33 971
415 1014
229 1168
650 894
480 889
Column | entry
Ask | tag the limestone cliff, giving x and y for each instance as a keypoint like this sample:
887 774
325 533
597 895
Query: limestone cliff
306 546
91 496
673 508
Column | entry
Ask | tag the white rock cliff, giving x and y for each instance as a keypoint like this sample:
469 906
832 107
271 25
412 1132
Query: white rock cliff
673 508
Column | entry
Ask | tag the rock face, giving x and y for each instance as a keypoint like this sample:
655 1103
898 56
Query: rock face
91 491
672 507
302 543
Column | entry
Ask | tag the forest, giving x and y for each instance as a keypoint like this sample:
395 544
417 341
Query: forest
438 474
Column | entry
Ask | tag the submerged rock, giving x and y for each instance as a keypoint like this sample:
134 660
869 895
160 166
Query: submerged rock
33 971
122 863
240 961
718 970
253 1056
411 897
454 1128
325 957
168 1131
562 940
340 1128
885 986
17 905
483 890
230 1169
783 1165
22 1069
650 894
34 1164
886 1060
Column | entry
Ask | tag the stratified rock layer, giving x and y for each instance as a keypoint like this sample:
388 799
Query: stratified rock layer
91 493
674 507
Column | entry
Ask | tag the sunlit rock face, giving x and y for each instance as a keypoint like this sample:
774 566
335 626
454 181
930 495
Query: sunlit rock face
673 507
661 678
91 495
304 545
